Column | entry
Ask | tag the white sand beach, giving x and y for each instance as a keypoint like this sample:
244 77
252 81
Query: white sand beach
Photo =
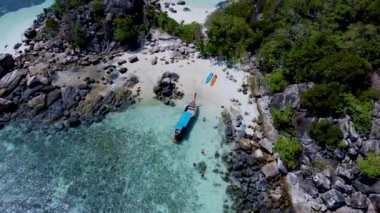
199 10
193 72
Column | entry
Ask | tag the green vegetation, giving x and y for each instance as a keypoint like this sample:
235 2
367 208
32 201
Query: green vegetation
326 134
276 81
360 112
319 165
370 165
187 32
335 44
282 118
125 29
77 36
51 24
191 32
324 99
97 6
60 7
289 150
228 36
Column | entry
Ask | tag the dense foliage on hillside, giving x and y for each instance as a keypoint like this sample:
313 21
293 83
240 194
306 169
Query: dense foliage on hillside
335 44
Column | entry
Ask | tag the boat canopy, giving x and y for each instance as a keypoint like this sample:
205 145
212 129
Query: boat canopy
183 121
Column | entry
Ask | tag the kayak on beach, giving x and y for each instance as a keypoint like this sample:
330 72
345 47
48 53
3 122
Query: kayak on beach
209 77
213 80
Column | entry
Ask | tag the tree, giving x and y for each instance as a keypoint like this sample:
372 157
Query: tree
324 99
276 81
191 32
228 36
77 37
124 29
282 118
342 67
360 112
325 133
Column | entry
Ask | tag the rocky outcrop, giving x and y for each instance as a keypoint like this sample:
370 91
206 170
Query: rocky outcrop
290 96
10 81
6 64
6 105
321 182
333 199
166 88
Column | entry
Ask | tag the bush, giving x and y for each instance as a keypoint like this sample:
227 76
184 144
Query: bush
51 24
97 6
167 24
370 165
282 118
276 81
360 112
325 133
124 29
77 37
191 32
289 150
324 99
342 67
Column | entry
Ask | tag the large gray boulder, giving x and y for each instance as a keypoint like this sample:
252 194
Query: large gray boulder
357 201
321 182
344 173
6 63
375 199
270 170
290 96
340 186
6 105
38 102
10 81
333 199
266 145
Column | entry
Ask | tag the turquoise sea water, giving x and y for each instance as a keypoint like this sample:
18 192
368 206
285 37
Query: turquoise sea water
14 23
202 3
126 163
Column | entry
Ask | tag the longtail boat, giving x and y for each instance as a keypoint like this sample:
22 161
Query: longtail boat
184 121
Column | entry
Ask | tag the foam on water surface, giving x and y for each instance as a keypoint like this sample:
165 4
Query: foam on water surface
125 163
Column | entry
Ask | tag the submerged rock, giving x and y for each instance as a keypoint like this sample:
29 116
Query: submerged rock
202 167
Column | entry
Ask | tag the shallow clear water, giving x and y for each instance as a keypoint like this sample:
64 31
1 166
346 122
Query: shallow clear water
202 3
127 163
13 24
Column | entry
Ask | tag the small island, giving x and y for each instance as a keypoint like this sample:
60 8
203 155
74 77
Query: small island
292 119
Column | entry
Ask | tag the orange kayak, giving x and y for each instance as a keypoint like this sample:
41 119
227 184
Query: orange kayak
213 80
